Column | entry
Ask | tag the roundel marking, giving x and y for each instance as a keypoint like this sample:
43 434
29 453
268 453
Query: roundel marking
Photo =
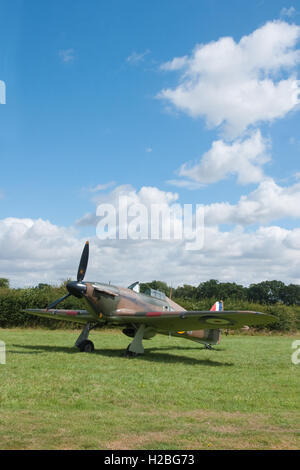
217 321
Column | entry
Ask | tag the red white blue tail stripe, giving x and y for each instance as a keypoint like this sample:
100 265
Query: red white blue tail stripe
217 307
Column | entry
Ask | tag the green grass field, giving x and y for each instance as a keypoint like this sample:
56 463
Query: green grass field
243 395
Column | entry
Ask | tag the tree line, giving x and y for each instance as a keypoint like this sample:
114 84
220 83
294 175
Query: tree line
266 292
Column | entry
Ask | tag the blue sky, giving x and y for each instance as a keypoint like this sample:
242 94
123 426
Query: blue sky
84 107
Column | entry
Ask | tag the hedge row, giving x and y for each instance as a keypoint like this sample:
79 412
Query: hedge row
13 301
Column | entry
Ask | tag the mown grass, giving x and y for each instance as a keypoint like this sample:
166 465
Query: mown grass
242 395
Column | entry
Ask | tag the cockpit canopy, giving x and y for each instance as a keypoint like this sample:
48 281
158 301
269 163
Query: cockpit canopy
157 294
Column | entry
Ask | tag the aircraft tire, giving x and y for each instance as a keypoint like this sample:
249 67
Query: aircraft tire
86 346
129 353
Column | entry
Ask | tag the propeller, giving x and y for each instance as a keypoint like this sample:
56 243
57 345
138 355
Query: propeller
76 288
57 301
83 263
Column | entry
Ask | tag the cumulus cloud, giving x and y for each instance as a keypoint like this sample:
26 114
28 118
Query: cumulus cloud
243 158
268 202
238 85
34 251
146 196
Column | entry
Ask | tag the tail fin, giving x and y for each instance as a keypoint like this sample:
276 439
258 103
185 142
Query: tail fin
218 306
207 337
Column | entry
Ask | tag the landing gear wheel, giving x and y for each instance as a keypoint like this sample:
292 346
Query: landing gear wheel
86 346
129 353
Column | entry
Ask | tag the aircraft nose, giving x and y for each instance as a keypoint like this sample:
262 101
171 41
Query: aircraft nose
76 288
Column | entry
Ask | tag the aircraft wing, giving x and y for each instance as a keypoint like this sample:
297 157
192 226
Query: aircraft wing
197 320
80 316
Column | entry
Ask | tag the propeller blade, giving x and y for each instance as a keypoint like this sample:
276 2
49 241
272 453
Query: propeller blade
73 287
83 263
57 301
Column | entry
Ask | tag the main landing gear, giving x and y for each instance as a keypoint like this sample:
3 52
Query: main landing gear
136 347
82 342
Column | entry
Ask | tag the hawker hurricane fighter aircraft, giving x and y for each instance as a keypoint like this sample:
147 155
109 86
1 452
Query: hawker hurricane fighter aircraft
143 315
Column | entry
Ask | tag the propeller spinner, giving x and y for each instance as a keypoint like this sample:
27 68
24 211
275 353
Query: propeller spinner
76 288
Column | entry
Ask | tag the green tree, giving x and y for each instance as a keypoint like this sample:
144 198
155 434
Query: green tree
208 289
290 295
4 283
157 285
185 292
266 292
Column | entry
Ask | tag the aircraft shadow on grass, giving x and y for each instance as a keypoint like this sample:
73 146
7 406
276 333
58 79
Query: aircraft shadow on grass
156 357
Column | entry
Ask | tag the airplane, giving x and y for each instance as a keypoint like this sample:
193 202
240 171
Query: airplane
143 315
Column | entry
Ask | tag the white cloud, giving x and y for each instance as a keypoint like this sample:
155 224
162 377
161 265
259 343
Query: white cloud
176 64
135 57
147 195
289 12
243 158
181 183
33 251
2 92
238 85
268 202
66 55
101 187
